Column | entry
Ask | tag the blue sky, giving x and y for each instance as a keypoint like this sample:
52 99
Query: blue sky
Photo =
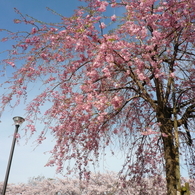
29 160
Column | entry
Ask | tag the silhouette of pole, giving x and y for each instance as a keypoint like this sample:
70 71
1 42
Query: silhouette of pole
18 121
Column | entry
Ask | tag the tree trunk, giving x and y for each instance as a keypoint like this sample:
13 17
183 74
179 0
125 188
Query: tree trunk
170 157
170 165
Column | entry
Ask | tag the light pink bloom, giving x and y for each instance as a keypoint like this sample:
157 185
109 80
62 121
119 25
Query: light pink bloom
113 17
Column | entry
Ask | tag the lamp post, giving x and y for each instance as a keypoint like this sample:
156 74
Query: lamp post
18 121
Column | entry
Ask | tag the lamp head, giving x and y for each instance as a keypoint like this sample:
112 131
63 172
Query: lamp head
18 120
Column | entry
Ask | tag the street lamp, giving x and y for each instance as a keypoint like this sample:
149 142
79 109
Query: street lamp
18 121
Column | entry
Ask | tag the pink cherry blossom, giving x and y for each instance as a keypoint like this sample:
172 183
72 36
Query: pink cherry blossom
113 18
34 30
172 75
102 25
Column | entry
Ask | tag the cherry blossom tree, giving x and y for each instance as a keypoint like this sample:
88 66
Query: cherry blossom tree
99 184
112 80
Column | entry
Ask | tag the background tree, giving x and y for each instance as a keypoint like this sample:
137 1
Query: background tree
132 87
99 184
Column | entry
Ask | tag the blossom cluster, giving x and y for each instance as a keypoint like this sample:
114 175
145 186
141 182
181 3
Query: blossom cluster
100 184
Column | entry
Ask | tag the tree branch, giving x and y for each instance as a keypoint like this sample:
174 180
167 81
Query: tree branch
187 114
